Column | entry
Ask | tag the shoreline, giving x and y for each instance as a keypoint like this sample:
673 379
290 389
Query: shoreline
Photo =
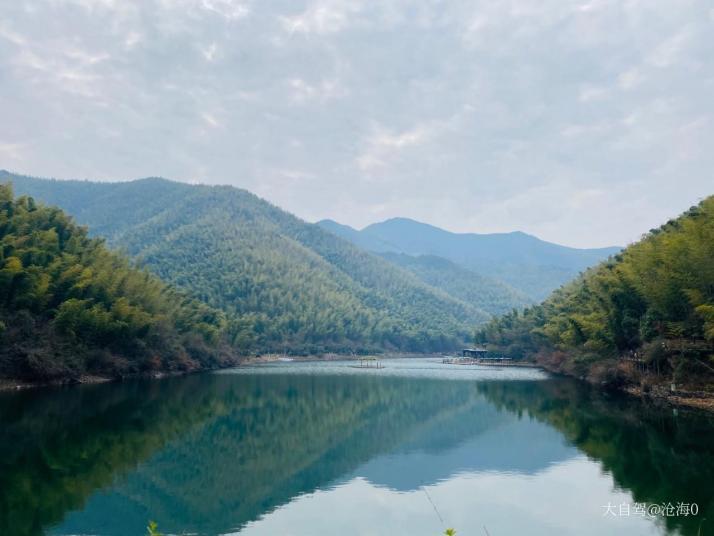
7 384
10 384
680 399
277 358
656 394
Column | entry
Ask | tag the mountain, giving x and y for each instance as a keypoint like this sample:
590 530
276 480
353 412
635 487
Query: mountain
291 285
522 261
358 238
489 294
653 303
69 307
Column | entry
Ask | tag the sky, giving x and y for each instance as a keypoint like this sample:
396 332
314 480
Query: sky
582 122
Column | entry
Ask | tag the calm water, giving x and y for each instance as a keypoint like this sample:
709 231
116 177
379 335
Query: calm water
308 449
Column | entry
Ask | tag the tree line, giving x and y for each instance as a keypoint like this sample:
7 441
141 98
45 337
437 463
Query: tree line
287 284
648 309
69 306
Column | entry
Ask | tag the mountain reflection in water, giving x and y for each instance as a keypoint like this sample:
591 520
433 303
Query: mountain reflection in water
299 449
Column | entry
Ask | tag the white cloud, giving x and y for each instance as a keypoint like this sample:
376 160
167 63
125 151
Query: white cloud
12 36
229 9
132 39
322 17
295 175
15 152
383 145
669 51
90 4
210 120
119 9
78 55
592 93
210 51
68 69
630 79
301 91
586 129
353 110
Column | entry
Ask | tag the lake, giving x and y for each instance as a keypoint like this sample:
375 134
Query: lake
326 448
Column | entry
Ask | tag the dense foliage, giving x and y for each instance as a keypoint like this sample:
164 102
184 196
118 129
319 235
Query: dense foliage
488 294
69 306
292 286
517 260
652 305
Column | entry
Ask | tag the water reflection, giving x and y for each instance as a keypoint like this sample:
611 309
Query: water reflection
272 452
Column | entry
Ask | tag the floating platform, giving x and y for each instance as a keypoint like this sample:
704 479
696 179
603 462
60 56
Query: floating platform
485 361
368 362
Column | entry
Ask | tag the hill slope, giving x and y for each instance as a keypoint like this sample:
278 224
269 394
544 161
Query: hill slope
68 306
293 285
485 293
652 304
524 262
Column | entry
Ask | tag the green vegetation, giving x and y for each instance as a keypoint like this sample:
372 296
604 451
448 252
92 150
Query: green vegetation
517 260
650 309
68 306
152 529
288 284
485 293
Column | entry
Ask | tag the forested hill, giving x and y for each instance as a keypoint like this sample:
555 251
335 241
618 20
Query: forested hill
645 315
292 285
487 293
70 307
519 260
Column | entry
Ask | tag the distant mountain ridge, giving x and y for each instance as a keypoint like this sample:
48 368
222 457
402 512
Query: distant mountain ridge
292 285
522 261
489 294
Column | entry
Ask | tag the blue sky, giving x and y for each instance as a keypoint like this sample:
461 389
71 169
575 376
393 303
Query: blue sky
585 122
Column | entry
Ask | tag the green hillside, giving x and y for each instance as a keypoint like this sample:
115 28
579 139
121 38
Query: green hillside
645 315
68 306
291 284
521 261
489 294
